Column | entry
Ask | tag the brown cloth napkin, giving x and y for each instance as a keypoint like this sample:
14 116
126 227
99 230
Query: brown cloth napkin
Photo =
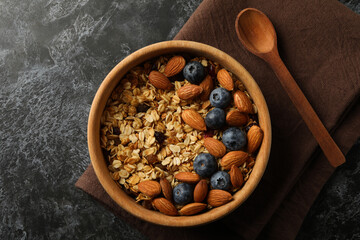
319 41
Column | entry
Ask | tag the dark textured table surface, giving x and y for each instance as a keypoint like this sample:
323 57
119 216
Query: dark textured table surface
53 56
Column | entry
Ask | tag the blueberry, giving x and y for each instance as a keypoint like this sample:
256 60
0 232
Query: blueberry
220 180
215 119
220 97
234 138
205 164
183 193
194 72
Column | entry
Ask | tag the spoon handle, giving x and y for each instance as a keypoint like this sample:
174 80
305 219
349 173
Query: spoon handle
322 136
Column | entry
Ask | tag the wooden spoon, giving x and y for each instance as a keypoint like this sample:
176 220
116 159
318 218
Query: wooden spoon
257 34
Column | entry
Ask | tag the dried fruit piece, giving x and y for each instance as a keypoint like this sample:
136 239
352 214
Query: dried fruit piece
142 108
192 208
187 177
225 80
160 137
242 102
189 91
215 147
166 188
193 119
233 158
152 159
254 138
208 85
116 131
209 134
150 188
159 80
212 70
236 177
236 118
218 197
177 77
147 204
165 206
174 66
200 191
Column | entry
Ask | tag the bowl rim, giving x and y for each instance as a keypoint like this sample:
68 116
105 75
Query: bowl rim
98 105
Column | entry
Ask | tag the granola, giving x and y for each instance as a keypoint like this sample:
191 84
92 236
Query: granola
143 135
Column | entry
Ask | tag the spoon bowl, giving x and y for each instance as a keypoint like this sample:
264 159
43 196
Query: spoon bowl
256 31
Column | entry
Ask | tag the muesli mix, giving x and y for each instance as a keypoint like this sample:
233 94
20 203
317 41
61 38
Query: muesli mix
180 134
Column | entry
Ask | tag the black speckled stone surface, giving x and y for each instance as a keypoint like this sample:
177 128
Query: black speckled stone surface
53 56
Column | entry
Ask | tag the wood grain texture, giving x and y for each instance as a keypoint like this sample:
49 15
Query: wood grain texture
98 105
258 35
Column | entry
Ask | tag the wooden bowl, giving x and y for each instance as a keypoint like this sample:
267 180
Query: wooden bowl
98 105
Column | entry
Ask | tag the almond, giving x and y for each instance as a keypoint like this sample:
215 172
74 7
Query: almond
233 158
192 208
254 138
159 80
187 177
236 177
174 66
236 118
166 188
189 91
193 119
215 147
208 85
205 104
218 197
165 206
200 191
225 79
149 188
242 102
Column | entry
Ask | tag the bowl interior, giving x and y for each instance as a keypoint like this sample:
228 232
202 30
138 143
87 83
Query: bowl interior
98 105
